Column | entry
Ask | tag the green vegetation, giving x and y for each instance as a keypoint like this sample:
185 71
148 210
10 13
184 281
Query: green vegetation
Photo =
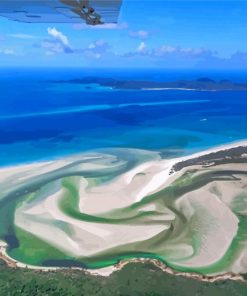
135 279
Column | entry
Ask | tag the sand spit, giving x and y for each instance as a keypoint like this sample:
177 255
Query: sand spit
168 88
178 88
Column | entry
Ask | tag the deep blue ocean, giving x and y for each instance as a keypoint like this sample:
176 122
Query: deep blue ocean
43 120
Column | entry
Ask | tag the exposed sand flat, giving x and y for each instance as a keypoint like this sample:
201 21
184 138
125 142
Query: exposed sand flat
194 229
88 238
126 189
214 226
23 172
227 191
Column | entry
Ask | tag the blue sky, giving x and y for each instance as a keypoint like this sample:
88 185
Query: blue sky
155 34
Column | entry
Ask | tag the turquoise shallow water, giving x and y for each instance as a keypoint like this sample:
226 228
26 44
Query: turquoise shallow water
44 120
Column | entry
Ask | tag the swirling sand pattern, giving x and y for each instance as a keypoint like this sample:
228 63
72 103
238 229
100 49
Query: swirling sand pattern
94 209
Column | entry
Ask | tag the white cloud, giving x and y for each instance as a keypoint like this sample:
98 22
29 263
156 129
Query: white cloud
181 51
171 52
7 51
59 36
96 49
139 34
22 36
98 44
58 44
52 47
142 47
165 49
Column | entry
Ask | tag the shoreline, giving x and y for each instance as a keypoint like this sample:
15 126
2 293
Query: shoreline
107 271
180 88
167 174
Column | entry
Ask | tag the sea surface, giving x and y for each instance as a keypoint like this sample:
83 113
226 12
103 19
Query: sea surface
43 120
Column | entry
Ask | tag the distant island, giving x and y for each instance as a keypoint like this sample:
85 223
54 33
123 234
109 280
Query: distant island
201 84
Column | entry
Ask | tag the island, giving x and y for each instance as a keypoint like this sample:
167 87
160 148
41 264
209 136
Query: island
200 84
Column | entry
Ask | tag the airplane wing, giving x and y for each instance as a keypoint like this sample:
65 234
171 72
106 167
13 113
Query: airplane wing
93 12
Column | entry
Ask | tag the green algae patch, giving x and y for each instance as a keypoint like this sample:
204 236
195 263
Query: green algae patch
32 250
